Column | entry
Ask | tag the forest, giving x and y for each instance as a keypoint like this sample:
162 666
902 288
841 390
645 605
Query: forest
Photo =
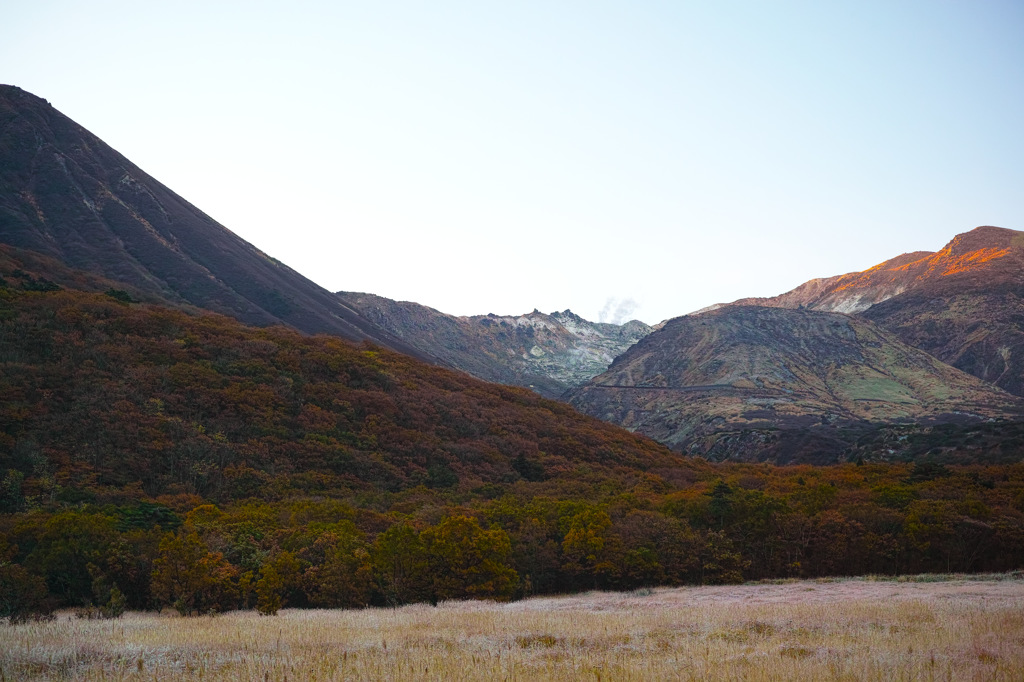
152 457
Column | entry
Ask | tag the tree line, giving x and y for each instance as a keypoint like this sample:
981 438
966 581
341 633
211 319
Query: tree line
742 522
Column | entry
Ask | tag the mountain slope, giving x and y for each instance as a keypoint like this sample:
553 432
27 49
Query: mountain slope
754 382
101 394
963 304
68 195
548 353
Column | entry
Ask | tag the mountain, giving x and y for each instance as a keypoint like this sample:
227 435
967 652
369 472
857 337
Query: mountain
548 353
66 194
749 382
963 304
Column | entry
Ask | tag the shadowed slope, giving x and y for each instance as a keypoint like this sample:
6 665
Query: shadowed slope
66 194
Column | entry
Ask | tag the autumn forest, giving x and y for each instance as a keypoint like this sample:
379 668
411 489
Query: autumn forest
156 457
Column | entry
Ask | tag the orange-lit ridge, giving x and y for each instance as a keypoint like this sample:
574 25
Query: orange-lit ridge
941 263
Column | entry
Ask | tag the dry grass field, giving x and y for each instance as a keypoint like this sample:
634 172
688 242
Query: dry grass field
950 628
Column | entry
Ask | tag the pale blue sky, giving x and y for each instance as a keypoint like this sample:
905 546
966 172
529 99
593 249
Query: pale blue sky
496 157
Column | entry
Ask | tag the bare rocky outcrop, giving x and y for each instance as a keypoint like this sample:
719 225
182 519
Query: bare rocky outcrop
549 353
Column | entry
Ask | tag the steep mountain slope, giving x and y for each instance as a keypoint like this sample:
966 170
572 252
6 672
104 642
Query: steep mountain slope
548 353
752 382
68 195
963 304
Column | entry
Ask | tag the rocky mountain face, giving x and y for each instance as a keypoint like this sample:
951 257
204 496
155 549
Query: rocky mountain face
66 194
761 383
548 353
963 304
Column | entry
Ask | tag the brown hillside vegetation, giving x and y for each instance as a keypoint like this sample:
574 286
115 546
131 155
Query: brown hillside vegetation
117 394
836 630
150 457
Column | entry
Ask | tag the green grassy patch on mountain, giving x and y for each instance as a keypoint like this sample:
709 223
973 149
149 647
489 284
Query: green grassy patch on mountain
868 384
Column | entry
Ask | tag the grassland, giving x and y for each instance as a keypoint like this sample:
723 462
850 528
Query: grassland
953 628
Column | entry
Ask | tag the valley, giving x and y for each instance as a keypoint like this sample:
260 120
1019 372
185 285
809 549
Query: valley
70 198
189 425
511 341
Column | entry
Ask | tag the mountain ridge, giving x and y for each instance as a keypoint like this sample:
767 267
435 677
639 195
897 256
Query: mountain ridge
855 292
550 353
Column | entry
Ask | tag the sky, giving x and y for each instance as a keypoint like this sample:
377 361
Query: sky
623 159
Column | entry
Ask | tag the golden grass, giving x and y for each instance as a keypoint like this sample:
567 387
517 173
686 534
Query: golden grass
959 629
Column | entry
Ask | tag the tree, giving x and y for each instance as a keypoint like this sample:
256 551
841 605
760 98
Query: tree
658 549
467 561
720 563
192 579
400 565
22 595
591 550
279 576
70 542
343 577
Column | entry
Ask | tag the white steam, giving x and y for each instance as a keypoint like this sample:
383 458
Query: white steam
617 311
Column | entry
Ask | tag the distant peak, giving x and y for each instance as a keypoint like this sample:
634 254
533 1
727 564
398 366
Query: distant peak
985 236
14 92
991 229
567 314
972 249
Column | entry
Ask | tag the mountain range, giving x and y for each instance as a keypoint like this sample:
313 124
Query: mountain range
810 374
66 194
921 354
